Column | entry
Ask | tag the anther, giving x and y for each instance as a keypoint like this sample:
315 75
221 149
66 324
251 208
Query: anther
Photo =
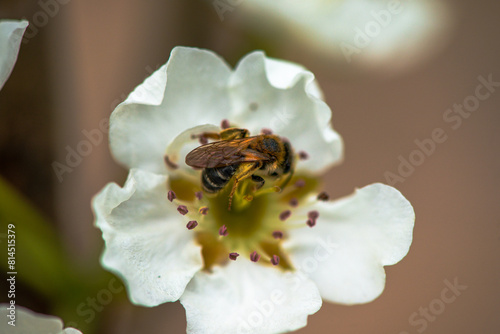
199 195
203 210
171 195
254 257
253 106
223 231
275 260
300 183
277 235
191 224
266 131
323 196
293 202
233 256
303 155
203 140
313 215
285 215
310 222
170 163
225 124
182 209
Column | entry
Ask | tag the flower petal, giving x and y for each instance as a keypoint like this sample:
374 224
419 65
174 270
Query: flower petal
285 98
11 34
245 297
147 242
27 321
353 239
191 89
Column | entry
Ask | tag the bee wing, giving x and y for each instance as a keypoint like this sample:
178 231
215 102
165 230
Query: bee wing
224 153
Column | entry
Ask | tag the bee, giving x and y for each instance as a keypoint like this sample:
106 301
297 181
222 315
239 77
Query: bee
236 155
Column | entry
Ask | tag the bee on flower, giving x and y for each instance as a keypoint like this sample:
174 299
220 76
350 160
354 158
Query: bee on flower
223 207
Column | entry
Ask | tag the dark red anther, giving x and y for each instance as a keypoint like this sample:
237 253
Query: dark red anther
223 231
266 131
199 195
225 124
182 209
203 210
300 183
285 215
191 224
313 215
233 256
203 140
254 257
303 155
310 222
275 260
277 235
171 195
323 196
170 163
293 202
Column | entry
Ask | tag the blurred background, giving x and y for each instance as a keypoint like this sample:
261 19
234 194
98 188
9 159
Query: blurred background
389 80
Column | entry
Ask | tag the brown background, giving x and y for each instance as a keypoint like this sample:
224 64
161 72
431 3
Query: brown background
92 53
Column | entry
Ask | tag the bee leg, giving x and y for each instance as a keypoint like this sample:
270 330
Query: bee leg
245 170
234 133
258 180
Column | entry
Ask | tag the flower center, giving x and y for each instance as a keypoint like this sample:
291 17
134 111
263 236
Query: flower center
250 219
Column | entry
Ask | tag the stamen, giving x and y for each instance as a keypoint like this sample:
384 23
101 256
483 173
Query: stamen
225 124
191 224
310 222
277 235
170 163
313 215
293 202
254 257
171 195
303 155
223 231
203 140
300 183
203 210
275 260
323 196
266 131
233 256
199 195
285 215
182 209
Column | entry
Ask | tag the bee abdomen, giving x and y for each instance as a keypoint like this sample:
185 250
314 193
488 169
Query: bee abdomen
214 179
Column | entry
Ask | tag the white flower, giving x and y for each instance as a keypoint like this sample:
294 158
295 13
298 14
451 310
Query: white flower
380 34
11 34
20 320
164 254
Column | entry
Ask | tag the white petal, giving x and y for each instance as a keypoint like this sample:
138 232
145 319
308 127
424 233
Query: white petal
394 34
11 34
352 241
29 322
147 242
284 97
190 90
246 297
